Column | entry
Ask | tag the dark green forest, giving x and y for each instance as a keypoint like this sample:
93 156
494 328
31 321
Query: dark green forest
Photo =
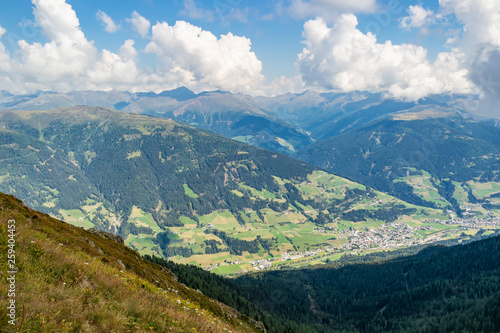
438 289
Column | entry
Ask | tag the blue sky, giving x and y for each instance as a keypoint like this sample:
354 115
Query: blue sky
407 49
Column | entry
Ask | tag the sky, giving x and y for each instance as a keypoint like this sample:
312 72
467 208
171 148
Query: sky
403 49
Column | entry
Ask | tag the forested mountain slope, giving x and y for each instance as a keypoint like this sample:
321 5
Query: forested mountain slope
171 189
440 289
437 161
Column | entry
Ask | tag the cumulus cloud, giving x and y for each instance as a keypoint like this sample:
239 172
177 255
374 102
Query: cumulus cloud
60 63
329 9
481 41
140 24
4 59
227 62
57 20
68 61
192 11
418 18
187 55
107 22
284 85
480 18
343 58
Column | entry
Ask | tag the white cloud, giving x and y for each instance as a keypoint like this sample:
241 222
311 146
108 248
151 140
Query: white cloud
68 61
57 20
187 55
284 85
140 24
4 59
329 9
480 18
113 71
418 18
481 42
107 22
227 63
191 10
344 58
63 61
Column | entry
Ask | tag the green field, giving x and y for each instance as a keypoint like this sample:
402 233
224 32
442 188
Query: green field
142 243
189 192
286 231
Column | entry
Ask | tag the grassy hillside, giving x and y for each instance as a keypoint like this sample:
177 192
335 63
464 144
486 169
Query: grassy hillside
72 280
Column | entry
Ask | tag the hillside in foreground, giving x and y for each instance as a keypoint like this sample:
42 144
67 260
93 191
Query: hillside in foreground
72 280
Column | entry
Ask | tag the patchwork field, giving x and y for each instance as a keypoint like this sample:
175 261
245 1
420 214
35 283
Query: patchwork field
230 243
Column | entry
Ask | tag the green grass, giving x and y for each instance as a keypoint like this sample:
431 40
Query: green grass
263 194
187 220
139 217
229 269
68 285
134 154
142 243
189 192
244 139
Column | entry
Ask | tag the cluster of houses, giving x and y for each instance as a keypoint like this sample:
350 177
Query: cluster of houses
386 236
297 255
475 223
260 264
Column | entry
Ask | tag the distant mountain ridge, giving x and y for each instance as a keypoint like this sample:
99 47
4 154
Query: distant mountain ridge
234 116
283 123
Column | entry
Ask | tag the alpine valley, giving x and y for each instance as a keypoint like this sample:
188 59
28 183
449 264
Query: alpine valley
388 174
221 212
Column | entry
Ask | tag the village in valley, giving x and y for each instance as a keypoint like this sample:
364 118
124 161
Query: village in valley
388 236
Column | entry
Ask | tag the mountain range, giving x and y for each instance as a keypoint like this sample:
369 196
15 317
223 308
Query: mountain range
349 190
174 190
384 143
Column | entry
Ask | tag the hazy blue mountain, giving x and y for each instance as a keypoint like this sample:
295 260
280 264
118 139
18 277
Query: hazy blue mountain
235 116
324 115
